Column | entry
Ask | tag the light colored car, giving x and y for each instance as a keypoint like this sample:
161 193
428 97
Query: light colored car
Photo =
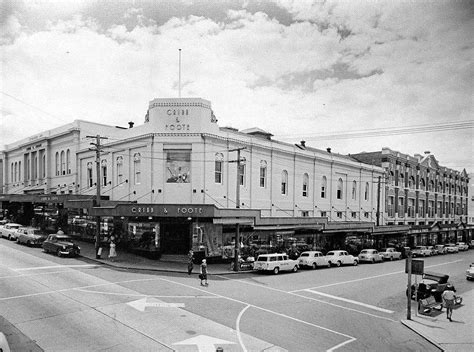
433 250
9 230
313 259
31 236
390 253
470 272
275 263
463 246
451 248
421 251
370 256
440 249
339 258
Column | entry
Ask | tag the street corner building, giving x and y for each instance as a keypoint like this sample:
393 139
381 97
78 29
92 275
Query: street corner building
179 181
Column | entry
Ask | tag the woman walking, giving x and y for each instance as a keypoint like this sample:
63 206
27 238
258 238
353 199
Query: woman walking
203 274
112 251
190 262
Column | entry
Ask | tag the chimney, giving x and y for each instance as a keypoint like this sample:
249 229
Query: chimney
130 124
303 143
427 152
328 150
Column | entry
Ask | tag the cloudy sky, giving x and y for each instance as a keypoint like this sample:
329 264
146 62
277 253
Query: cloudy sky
353 75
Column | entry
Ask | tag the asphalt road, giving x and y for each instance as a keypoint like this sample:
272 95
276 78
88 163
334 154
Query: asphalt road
70 304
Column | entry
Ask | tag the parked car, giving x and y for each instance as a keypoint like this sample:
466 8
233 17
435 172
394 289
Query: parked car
390 253
440 249
432 250
275 263
470 272
463 246
451 248
421 251
9 230
339 258
313 259
405 251
432 284
61 245
370 255
31 236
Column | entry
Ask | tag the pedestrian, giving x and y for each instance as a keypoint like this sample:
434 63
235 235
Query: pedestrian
112 252
448 298
190 262
203 274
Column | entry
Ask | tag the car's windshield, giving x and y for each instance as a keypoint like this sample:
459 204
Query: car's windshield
364 251
63 238
330 253
304 254
262 259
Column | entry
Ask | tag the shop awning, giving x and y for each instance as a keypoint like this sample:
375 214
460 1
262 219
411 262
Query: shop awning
315 227
234 221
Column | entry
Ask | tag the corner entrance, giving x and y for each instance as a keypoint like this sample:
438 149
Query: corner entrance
175 238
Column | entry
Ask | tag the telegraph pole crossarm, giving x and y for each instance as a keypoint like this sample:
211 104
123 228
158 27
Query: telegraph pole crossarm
97 148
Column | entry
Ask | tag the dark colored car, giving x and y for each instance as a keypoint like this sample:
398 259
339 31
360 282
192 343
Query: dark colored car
432 284
61 245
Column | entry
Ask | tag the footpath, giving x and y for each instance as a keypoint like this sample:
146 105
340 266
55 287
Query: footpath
455 336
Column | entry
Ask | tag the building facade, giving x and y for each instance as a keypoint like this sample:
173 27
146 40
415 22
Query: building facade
178 181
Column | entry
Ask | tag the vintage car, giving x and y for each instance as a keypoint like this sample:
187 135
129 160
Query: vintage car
9 230
421 251
30 236
339 258
370 256
275 263
451 248
463 246
470 272
440 249
432 284
390 253
61 245
313 259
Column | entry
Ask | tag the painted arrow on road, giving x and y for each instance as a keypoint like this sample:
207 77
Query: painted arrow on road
204 343
141 304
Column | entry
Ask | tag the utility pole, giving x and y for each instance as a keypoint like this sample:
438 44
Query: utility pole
237 205
97 150
378 201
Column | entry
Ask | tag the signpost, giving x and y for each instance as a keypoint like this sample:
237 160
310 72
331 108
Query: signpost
412 266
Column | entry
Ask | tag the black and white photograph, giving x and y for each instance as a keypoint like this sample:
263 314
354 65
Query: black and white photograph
236 175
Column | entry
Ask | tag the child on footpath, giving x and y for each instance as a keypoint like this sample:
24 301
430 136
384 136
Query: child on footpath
203 274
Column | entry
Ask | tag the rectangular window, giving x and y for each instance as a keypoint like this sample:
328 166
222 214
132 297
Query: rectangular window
323 214
104 175
178 166
323 192
304 213
354 214
366 215
89 177
242 174
305 190
263 177
283 187
339 214
218 171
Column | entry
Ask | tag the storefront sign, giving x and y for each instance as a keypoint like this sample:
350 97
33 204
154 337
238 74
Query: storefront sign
163 210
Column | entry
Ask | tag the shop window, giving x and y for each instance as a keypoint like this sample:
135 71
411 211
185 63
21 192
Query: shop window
218 163
263 174
178 165
137 168
104 172
354 190
339 193
90 181
305 185
366 193
324 183
284 182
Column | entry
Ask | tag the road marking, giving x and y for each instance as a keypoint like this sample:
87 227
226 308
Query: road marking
204 343
141 304
237 324
351 301
140 294
57 266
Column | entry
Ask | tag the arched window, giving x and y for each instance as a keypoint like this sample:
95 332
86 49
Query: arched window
137 168
63 163
68 161
340 185
90 181
354 190
19 171
12 172
103 165
35 166
43 166
218 163
431 186
284 182
305 185
366 193
57 164
391 178
242 173
401 180
119 170
422 184
411 182
263 173
324 183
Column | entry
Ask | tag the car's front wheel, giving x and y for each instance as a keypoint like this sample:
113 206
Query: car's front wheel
338 263
295 268
276 270
58 252
355 263
315 266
